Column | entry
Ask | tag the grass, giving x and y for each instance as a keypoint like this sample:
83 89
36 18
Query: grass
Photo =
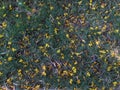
60 44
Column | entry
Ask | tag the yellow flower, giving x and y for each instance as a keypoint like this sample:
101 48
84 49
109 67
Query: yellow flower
34 10
4 15
97 42
103 5
44 73
71 81
111 88
62 56
44 67
115 83
1 73
41 47
109 68
56 30
36 61
10 7
9 43
71 30
113 54
77 54
67 35
106 17
17 15
93 7
1 36
65 14
96 28
90 44
46 54
10 58
102 51
0 63
70 73
65 73
88 74
69 5
74 69
75 62
57 18
4 24
13 49
78 81
41 4
9 80
51 7
19 71
28 17
91 1
104 27
80 2
71 56
99 32
66 8
47 45
103 88
75 89
117 30
58 51
36 70
94 88
37 87
26 38
59 23
72 41
91 28
21 60
47 35
3 7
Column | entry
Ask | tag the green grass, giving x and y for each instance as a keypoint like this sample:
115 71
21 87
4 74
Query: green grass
60 44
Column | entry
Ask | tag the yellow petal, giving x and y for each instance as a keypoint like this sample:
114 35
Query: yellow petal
58 51
1 36
71 81
13 49
10 58
115 83
88 74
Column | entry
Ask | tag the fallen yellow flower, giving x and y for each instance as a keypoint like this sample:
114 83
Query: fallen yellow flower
1 36
10 58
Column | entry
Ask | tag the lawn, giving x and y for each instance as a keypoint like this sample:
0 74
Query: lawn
60 44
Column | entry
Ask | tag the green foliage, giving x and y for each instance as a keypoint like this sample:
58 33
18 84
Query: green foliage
50 43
